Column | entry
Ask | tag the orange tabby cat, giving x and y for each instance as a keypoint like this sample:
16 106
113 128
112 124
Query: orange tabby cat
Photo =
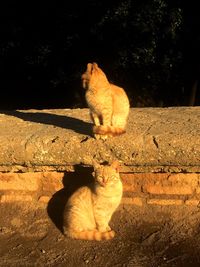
108 103
90 208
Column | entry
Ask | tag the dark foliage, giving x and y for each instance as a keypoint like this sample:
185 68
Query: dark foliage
45 47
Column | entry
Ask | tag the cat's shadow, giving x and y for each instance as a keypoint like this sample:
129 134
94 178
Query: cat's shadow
57 120
71 182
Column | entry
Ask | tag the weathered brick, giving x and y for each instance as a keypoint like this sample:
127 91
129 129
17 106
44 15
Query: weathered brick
137 201
192 202
198 190
144 176
14 198
191 179
131 182
44 199
168 190
131 188
132 201
52 181
126 200
19 181
165 202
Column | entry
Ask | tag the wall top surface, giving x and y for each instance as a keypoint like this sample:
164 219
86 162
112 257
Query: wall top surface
157 139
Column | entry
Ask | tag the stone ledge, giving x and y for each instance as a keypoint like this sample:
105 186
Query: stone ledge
157 140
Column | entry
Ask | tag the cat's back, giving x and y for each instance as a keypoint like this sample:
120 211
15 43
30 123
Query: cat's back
78 207
78 213
80 196
120 98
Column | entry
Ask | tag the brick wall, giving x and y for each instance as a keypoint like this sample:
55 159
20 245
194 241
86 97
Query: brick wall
161 188
139 188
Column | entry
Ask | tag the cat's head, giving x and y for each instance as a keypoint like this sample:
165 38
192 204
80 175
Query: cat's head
93 76
106 174
85 77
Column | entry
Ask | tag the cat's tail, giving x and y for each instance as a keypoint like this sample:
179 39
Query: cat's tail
92 235
108 130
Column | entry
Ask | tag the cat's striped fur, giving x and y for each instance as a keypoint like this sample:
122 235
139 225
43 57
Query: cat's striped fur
89 210
109 105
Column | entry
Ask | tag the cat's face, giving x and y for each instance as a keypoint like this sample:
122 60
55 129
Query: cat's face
106 175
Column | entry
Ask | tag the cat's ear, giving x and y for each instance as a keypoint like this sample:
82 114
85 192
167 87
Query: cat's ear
95 65
89 67
115 164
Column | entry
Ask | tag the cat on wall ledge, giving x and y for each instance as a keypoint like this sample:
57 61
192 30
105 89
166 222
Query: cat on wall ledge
109 105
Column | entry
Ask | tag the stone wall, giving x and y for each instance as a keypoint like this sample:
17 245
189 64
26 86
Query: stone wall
43 155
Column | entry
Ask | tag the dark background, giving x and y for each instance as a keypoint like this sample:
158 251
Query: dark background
45 46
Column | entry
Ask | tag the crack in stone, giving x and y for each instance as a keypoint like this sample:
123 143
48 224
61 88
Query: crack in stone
155 142
84 139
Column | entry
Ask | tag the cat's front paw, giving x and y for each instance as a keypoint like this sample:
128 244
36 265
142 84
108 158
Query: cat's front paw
104 228
103 137
108 228
112 233
97 136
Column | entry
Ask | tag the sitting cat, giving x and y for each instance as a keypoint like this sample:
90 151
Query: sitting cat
108 103
90 208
